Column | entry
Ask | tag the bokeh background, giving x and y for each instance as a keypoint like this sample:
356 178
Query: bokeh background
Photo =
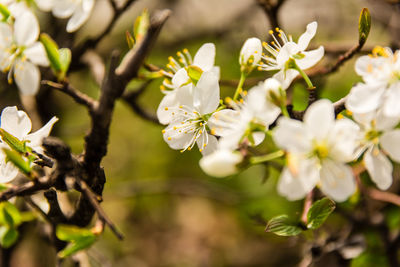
171 213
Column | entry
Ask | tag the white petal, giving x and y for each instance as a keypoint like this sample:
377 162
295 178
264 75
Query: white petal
26 29
6 36
252 47
64 8
211 146
27 77
295 186
384 122
205 57
222 122
391 107
45 5
37 54
8 172
343 140
310 58
164 112
292 136
80 16
15 122
364 98
288 50
37 137
206 94
320 117
180 78
379 168
221 163
306 37
286 77
176 139
390 142
337 180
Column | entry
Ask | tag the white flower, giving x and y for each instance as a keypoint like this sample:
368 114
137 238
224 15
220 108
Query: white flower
188 121
18 124
250 54
221 163
318 149
379 137
15 7
20 52
248 119
381 72
178 77
77 10
284 48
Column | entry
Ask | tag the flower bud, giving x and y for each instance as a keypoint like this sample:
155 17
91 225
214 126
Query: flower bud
221 163
250 54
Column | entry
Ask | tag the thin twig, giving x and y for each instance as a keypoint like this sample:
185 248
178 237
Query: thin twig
307 206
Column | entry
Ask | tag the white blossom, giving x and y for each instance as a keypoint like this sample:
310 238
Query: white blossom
78 12
250 54
283 48
221 163
20 52
378 139
17 123
318 149
188 121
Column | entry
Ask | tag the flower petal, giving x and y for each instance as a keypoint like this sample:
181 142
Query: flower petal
343 140
306 37
390 143
36 138
44 5
221 163
26 29
64 8
180 78
211 146
286 77
320 118
8 172
390 105
310 58
27 77
292 136
222 122
206 93
15 122
337 180
80 16
37 54
364 98
164 112
205 57
379 167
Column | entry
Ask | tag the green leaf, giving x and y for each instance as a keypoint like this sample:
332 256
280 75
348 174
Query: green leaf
9 215
52 52
4 12
28 216
129 39
65 60
364 26
194 73
319 212
283 226
3 187
18 161
76 246
8 237
141 25
14 142
71 233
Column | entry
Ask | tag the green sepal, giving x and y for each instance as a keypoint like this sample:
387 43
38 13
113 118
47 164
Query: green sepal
194 73
52 52
8 236
283 226
129 39
319 212
65 60
14 142
79 238
18 161
364 26
4 12
141 25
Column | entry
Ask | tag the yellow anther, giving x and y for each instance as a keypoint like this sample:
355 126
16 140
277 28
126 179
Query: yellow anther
201 150
251 60
271 32
264 43
200 132
201 124
180 106
273 43
170 58
241 101
169 138
212 131
173 113
163 131
185 113
162 87
228 99
182 122
277 29
185 50
175 128
244 93
166 108
189 148
259 68
256 52
204 145
280 35
179 53
348 112
340 116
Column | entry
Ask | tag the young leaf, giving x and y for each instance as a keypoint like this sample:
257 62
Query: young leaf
129 39
13 141
77 245
18 161
53 55
71 233
281 225
65 60
364 26
194 73
141 25
8 236
9 215
4 12
319 212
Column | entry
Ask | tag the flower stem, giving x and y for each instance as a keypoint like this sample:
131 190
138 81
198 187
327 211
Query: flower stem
284 111
239 88
293 65
268 157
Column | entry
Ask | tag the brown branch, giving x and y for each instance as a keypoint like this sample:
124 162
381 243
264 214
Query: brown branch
307 205
271 10
26 189
383 196
78 96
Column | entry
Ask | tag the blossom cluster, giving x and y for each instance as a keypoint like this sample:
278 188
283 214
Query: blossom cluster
21 53
319 151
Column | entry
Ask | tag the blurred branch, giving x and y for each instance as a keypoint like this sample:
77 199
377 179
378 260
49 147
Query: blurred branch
271 9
